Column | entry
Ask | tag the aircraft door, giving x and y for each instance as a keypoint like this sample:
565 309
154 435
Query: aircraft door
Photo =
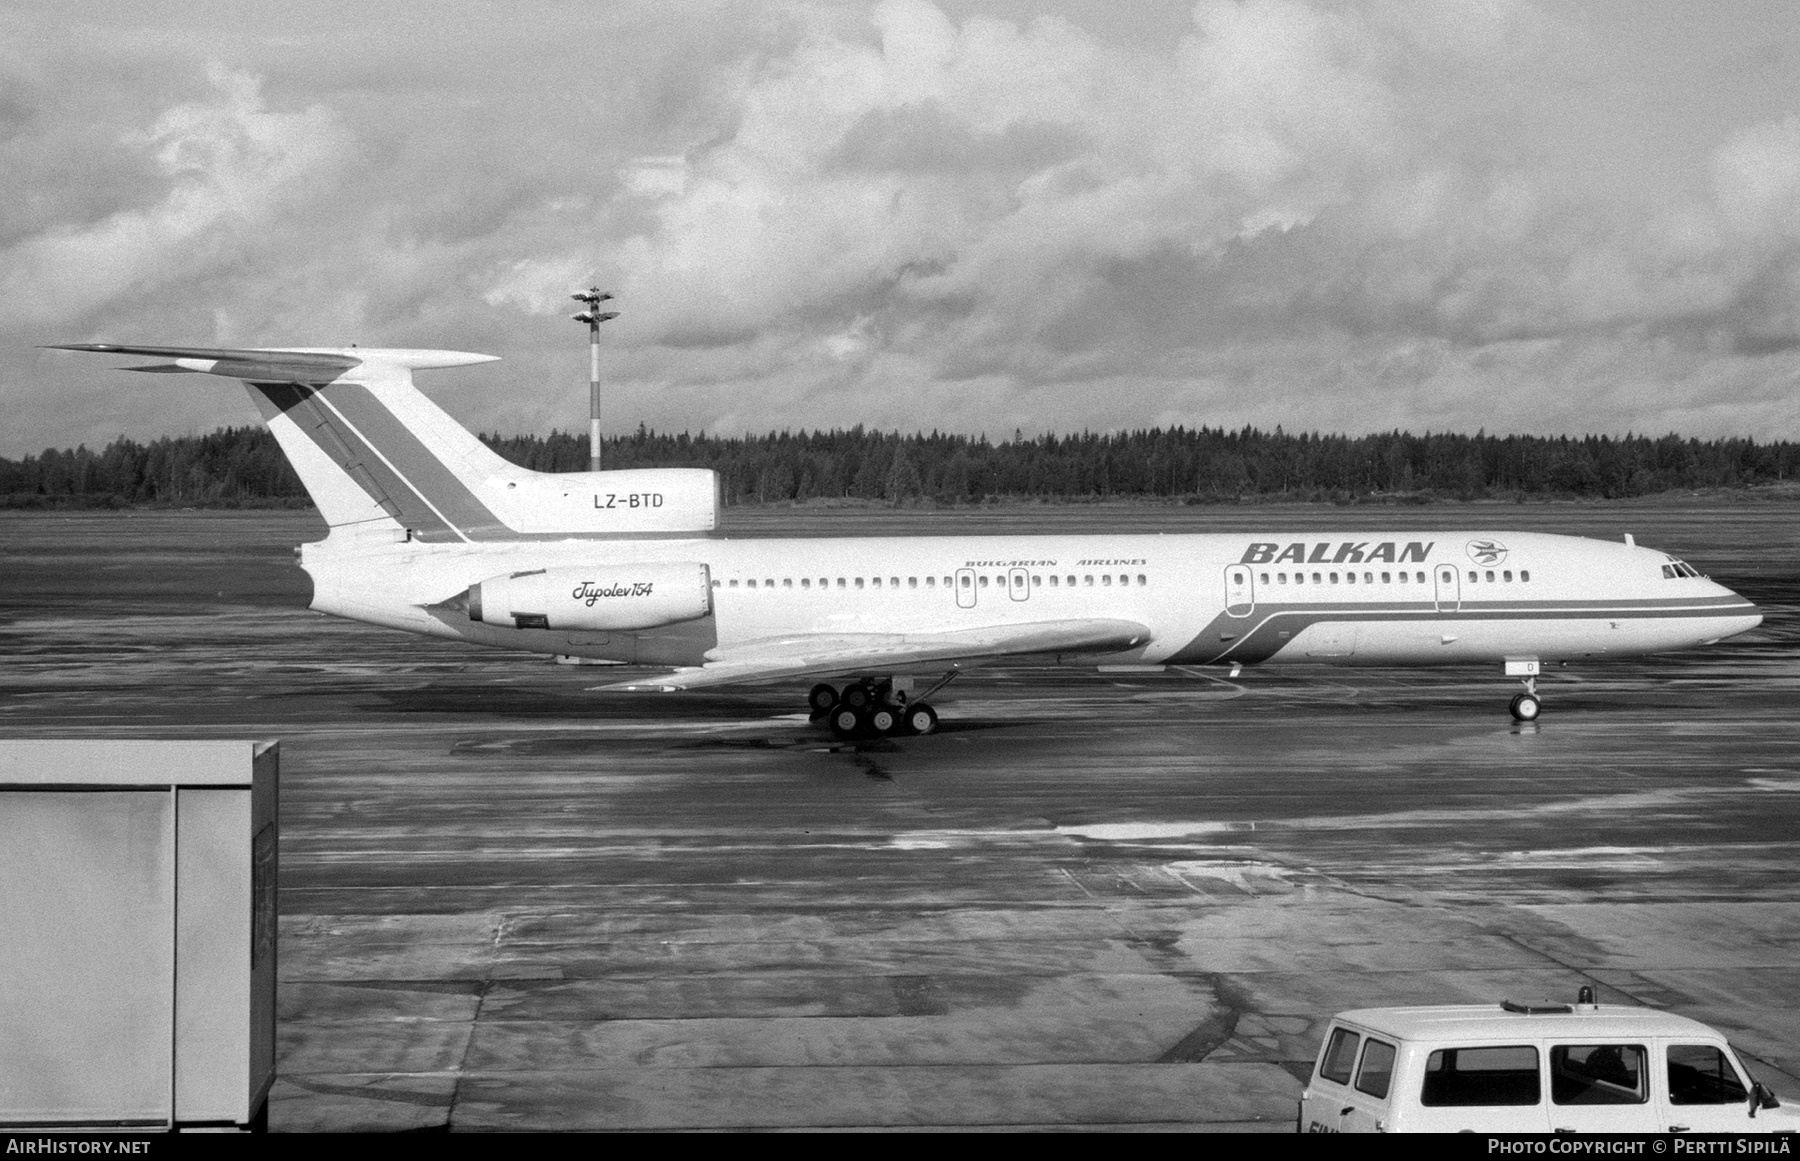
1449 589
1018 584
1240 591
965 588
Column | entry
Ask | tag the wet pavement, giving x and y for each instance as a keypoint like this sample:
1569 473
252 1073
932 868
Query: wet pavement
1115 900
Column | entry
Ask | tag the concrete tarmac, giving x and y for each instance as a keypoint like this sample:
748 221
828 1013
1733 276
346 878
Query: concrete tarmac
1121 900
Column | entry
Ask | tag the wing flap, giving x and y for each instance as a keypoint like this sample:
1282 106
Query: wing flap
828 654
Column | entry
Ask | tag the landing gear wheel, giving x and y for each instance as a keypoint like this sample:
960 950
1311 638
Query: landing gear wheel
846 722
920 719
822 699
856 696
1526 707
884 719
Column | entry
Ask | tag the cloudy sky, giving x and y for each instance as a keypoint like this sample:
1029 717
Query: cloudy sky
974 215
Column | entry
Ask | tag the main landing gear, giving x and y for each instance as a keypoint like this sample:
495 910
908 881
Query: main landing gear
870 708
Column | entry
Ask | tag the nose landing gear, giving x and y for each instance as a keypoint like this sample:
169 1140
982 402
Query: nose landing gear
1526 706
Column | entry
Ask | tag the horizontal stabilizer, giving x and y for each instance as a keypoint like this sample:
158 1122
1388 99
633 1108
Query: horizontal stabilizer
283 364
827 654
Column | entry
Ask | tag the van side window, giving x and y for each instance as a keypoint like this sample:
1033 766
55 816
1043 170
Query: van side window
1598 1074
1481 1077
1377 1069
1340 1056
1699 1074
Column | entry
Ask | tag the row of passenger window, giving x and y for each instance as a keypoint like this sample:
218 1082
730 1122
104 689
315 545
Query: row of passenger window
1387 578
1580 1074
1087 580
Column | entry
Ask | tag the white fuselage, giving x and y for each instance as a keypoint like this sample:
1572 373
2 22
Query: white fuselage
1406 598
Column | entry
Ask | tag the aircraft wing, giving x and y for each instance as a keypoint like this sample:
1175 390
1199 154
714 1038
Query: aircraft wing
828 654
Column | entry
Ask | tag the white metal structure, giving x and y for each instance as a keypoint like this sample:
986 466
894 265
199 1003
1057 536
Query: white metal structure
1513 1068
137 901
433 533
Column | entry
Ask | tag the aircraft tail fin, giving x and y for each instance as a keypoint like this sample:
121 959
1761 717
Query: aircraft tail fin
372 450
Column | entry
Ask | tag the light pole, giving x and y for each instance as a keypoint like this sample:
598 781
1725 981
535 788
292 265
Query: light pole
593 316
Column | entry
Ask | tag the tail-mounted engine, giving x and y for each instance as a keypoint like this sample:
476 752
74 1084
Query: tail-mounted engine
606 598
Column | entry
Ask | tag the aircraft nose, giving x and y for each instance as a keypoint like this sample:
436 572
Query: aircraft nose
1745 616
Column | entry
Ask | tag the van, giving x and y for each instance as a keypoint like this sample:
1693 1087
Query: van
1519 1068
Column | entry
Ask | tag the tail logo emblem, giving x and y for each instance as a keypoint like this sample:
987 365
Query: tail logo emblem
1487 551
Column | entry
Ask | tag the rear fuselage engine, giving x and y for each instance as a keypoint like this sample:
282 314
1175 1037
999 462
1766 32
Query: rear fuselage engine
605 598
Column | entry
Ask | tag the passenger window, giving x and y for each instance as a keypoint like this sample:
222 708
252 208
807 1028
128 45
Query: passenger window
1598 1074
1316 579
1387 578
1299 578
1106 579
1142 580
965 582
840 582
912 582
893 582
931 582
1507 576
1088 579
859 582
1699 1074
734 584
1420 577
1402 577
1377 1069
1524 574
717 584
1473 577
1281 578
1340 1056
1036 579
1490 576
1071 582
1052 580
787 582
1481 1077
806 582
1349 578
984 581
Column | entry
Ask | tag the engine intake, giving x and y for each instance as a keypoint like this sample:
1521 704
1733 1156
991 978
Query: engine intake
606 598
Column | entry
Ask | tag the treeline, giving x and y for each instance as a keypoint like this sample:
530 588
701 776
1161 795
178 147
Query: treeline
242 466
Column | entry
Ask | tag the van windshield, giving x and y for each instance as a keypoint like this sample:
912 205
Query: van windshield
1482 1077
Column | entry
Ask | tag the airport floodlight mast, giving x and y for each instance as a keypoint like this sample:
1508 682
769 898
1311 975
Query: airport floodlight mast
593 316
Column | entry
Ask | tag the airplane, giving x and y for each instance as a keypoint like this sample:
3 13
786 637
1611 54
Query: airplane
431 532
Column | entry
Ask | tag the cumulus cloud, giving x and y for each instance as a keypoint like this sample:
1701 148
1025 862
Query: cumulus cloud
225 167
1380 213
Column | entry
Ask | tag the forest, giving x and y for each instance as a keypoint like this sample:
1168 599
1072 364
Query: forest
243 467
